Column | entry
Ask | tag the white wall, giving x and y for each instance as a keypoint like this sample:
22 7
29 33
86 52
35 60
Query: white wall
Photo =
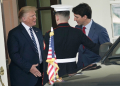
100 12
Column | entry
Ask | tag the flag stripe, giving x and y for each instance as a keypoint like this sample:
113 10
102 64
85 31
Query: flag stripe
52 65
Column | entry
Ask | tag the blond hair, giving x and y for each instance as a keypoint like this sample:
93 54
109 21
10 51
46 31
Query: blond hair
24 10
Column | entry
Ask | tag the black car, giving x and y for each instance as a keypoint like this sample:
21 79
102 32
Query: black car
104 73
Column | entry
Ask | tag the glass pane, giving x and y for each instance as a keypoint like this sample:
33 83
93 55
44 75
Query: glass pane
44 3
116 50
114 53
46 21
31 2
115 9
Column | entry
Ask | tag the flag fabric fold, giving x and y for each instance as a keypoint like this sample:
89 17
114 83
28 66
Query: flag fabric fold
53 68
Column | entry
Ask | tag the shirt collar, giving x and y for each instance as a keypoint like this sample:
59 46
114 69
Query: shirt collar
88 25
63 24
26 26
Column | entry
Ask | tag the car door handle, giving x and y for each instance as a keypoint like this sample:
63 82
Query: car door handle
1 73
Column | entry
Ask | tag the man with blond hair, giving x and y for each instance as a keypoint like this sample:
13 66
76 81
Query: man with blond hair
25 47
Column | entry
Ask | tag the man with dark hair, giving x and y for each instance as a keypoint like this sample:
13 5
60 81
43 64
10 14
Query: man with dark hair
97 33
66 42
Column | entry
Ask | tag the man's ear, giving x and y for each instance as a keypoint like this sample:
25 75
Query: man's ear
57 18
23 19
85 17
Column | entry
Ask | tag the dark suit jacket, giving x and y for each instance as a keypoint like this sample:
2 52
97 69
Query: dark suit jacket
22 53
97 34
66 43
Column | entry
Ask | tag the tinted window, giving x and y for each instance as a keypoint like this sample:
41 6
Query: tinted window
116 50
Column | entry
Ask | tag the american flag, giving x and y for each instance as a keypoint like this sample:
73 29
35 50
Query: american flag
51 59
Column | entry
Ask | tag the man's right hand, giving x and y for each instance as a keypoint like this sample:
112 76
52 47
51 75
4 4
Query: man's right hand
35 71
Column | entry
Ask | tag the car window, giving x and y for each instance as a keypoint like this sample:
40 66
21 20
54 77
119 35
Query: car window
116 50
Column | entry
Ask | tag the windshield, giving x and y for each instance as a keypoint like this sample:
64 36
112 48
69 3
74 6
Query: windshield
116 51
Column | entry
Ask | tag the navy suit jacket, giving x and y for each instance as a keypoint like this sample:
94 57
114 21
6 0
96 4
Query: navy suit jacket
97 34
23 55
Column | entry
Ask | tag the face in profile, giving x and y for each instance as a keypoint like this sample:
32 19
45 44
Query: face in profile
29 18
79 19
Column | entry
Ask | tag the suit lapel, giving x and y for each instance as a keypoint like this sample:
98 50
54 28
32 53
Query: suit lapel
90 35
25 33
92 30
39 38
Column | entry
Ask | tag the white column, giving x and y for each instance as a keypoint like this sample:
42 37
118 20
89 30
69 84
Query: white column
2 51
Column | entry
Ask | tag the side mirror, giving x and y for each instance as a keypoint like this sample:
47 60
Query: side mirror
104 48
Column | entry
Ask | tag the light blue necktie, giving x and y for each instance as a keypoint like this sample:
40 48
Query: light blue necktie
33 39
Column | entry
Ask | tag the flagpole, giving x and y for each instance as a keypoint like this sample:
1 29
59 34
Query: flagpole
54 61
54 72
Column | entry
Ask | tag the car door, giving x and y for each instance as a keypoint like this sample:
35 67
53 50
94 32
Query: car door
112 57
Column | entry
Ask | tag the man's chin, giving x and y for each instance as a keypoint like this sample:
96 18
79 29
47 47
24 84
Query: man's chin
34 24
78 24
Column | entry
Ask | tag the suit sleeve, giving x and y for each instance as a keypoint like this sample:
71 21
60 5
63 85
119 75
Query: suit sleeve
103 36
14 53
89 44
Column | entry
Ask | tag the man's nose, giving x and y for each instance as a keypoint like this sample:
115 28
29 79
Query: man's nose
35 17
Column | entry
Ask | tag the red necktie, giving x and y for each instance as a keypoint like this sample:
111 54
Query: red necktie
84 33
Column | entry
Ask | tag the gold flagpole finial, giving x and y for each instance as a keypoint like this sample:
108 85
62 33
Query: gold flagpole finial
52 32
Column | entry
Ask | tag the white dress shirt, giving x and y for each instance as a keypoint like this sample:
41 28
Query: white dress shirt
88 26
36 39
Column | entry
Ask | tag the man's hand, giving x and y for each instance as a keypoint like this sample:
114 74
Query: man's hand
35 71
